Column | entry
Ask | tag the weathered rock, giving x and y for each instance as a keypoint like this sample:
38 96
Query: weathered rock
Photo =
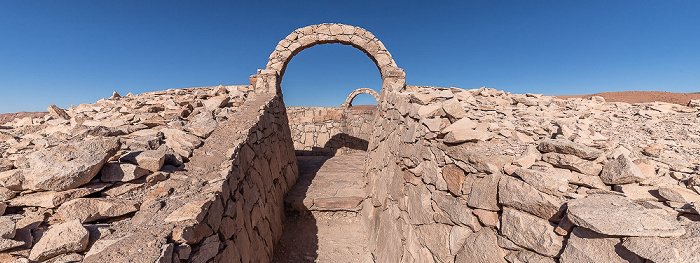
545 182
67 166
481 247
525 256
569 147
460 135
618 216
639 192
121 172
486 217
51 199
202 128
59 239
57 112
621 170
456 209
151 160
6 244
7 227
91 209
6 164
587 246
454 176
208 250
685 248
141 246
484 193
678 194
522 196
454 110
193 210
216 102
572 162
530 232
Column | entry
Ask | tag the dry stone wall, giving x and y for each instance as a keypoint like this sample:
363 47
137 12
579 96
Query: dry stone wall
488 176
194 175
330 130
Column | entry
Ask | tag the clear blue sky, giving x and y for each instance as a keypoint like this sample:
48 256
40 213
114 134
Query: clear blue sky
71 52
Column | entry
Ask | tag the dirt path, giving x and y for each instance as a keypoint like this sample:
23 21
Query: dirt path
323 220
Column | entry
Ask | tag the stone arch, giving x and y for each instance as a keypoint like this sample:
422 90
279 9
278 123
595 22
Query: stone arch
354 93
269 79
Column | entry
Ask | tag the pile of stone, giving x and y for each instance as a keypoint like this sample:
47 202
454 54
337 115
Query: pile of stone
70 180
488 176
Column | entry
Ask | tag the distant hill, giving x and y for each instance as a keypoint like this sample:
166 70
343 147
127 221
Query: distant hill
7 117
641 96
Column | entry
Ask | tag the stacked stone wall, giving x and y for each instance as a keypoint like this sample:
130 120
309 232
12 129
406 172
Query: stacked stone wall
188 175
330 130
474 176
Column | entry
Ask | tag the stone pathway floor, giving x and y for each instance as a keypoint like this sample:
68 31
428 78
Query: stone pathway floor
324 223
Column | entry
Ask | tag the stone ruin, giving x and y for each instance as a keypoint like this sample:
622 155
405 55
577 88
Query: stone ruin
453 175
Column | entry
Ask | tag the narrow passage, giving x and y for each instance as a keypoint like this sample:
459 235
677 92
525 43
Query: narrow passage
324 222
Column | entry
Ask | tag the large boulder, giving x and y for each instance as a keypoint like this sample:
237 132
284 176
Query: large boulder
531 232
66 166
481 247
621 170
586 246
59 239
685 248
618 216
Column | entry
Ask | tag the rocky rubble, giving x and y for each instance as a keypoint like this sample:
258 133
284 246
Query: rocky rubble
79 180
550 180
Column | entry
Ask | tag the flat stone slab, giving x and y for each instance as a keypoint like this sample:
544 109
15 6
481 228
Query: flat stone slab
618 216
329 184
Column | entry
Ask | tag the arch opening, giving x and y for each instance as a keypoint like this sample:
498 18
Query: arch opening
269 79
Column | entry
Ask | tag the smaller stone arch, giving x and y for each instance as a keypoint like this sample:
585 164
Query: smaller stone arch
354 93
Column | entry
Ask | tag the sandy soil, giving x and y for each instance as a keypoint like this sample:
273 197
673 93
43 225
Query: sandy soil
641 96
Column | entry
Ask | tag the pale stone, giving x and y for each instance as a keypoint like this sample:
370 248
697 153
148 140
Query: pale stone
121 172
685 248
51 199
7 227
569 147
617 215
6 244
545 182
481 247
454 110
141 246
216 102
530 232
151 160
192 210
59 239
203 128
460 135
91 209
484 193
678 194
586 246
486 217
458 235
67 166
572 162
522 196
463 123
621 170
57 112
456 209
639 192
